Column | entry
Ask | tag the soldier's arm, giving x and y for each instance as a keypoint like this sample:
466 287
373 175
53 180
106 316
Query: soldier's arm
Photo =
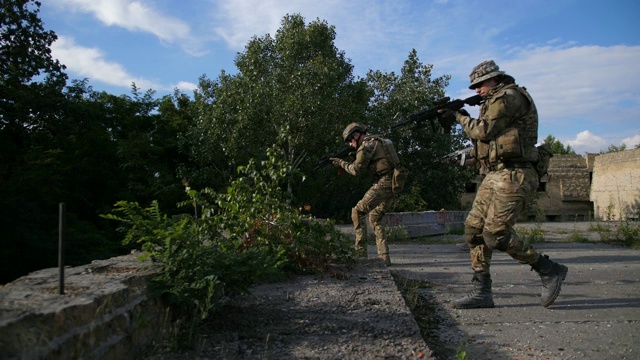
499 114
363 158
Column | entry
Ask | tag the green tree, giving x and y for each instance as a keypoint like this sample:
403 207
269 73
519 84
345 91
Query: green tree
30 97
298 85
614 148
558 147
70 144
432 184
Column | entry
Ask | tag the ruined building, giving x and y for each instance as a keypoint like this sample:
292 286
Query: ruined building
615 187
597 186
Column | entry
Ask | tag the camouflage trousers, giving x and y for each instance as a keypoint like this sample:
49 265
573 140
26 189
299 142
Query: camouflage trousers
501 197
375 202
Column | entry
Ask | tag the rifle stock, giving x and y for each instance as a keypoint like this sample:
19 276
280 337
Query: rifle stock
432 113
461 155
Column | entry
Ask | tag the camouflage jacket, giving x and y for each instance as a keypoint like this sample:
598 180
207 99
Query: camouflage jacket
375 156
508 119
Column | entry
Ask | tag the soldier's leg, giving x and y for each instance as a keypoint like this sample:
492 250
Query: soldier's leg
358 218
371 199
474 225
508 202
500 234
375 216
481 294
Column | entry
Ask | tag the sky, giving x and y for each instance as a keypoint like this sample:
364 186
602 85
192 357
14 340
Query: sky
579 59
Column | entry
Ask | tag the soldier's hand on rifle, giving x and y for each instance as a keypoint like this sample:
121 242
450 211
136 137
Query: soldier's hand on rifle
446 118
336 162
339 164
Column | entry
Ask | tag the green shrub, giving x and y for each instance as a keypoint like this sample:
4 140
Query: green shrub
627 233
231 240
531 236
600 228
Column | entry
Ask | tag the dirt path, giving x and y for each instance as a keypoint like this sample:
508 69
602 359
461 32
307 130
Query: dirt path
362 316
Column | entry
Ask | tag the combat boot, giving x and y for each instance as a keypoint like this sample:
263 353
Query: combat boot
385 258
552 274
480 297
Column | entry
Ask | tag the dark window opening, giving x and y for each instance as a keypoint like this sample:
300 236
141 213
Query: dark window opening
542 187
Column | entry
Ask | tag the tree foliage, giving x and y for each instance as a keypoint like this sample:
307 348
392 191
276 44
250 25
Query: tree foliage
432 184
67 143
614 148
557 146
297 85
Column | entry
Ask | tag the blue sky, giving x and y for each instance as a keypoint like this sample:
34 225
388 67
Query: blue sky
579 59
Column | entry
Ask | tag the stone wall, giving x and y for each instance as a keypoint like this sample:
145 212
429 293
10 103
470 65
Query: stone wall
615 188
422 223
106 312
566 195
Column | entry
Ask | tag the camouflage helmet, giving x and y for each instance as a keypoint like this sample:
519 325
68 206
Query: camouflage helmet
351 128
484 71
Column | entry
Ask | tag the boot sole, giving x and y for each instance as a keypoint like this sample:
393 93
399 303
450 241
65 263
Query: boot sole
484 306
562 274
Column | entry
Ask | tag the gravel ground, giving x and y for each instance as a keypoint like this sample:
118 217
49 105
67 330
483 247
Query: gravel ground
358 315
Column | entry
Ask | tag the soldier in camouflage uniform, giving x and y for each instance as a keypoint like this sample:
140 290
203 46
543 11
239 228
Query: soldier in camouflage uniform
375 156
504 138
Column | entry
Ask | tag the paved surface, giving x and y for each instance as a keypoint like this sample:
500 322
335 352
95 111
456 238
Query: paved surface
597 315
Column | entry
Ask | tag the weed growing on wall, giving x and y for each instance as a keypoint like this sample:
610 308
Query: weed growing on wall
231 240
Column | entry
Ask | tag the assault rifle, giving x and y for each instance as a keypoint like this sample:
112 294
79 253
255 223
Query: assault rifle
432 113
462 155
340 154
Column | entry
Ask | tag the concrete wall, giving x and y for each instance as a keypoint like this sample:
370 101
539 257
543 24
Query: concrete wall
106 312
615 188
424 223
566 195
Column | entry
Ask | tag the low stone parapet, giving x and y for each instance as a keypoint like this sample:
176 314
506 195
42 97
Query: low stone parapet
425 223
106 312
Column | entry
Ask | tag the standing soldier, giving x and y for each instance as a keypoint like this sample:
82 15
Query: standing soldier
504 138
375 156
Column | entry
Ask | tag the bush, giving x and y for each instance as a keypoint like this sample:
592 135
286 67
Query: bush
232 240
627 233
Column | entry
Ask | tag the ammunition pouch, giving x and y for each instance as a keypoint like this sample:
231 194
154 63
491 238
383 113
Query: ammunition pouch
507 145
400 175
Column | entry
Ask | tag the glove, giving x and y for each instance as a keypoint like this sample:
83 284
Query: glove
447 118
336 162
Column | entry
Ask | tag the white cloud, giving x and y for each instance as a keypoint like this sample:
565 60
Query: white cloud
239 20
91 63
631 141
586 141
579 82
185 86
136 16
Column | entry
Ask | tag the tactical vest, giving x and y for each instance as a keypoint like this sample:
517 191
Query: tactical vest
384 157
517 141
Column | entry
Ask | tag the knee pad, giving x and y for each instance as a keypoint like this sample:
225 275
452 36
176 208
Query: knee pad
498 241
